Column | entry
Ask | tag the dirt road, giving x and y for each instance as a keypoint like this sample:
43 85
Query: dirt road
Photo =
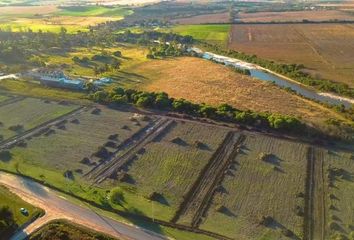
57 207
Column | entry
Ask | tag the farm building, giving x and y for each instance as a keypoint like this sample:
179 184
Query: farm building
56 78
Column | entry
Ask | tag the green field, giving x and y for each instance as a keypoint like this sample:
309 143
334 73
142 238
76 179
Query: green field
210 33
14 203
29 113
171 168
91 11
254 188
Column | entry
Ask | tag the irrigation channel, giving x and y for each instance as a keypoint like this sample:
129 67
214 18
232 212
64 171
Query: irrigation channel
264 74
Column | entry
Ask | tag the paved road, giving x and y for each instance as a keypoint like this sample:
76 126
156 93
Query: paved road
57 207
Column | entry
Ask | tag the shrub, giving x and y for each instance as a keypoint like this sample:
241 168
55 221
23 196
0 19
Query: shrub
117 196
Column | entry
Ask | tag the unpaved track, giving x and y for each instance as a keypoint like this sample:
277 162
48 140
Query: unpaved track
57 207
116 163
197 200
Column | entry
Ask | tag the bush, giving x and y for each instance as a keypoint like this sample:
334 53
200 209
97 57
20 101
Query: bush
117 197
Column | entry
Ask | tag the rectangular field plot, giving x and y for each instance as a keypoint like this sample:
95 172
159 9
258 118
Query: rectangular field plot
28 113
79 143
172 162
338 177
324 49
262 192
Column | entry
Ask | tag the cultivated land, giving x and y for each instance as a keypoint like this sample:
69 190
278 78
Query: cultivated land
172 162
294 16
29 113
253 188
324 49
215 84
204 19
217 34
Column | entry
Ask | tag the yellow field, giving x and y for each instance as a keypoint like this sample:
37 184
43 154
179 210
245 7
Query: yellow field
215 84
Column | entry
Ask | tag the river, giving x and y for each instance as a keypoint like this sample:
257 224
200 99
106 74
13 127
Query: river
266 75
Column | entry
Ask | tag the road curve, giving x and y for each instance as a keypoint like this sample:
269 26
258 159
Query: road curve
57 207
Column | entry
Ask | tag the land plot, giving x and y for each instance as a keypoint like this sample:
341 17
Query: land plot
266 181
172 163
214 33
324 49
80 143
204 19
3 98
29 113
294 16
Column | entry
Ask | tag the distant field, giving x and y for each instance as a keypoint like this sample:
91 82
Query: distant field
52 18
90 11
324 49
254 188
204 19
210 33
215 84
295 16
27 114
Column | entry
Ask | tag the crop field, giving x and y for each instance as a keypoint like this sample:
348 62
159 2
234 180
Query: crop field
338 171
28 113
215 84
204 19
217 34
256 186
295 16
172 162
324 49
64 146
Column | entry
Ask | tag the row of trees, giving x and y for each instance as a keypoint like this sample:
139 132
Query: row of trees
223 112
166 50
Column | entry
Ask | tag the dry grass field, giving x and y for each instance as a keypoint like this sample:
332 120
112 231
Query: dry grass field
204 19
215 84
254 188
295 16
325 49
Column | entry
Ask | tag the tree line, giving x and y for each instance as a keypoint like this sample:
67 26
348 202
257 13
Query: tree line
224 112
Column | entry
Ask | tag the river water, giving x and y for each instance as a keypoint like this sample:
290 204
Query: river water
260 73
